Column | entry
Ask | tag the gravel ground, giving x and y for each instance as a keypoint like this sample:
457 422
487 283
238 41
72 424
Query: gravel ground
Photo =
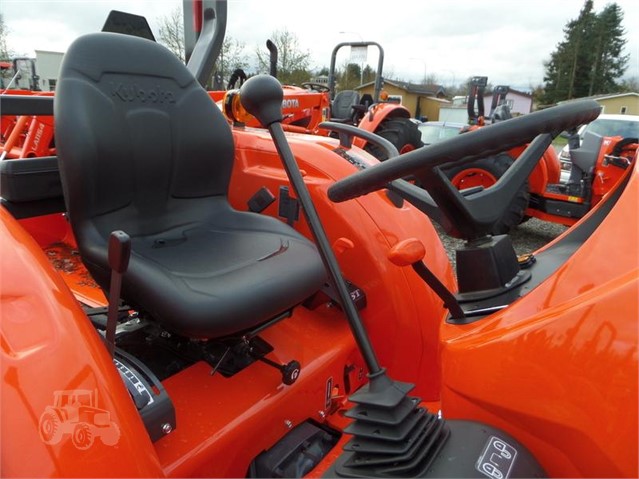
527 237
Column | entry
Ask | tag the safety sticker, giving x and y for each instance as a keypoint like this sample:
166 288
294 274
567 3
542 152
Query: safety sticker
497 459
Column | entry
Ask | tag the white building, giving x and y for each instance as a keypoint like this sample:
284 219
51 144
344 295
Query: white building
48 68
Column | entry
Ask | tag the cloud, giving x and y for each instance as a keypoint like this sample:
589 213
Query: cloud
506 40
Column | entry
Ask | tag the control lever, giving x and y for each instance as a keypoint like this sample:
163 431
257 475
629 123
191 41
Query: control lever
262 97
119 254
290 371
410 252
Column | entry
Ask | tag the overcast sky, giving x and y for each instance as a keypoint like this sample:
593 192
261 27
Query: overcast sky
506 40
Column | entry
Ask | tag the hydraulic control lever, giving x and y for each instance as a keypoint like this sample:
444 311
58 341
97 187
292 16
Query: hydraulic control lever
410 252
382 405
262 97
119 254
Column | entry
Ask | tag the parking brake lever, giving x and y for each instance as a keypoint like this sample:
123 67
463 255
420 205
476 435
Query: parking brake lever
118 257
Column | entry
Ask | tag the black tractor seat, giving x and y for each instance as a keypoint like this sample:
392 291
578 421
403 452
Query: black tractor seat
343 104
143 149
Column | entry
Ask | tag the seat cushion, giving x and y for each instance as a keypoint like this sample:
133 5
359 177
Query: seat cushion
212 279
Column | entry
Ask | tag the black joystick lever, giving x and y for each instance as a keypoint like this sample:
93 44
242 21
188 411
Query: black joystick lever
383 405
118 257
290 371
262 97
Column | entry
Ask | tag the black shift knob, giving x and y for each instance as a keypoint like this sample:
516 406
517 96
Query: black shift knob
262 97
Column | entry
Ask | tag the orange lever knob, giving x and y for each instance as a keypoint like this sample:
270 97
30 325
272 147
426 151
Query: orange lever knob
407 252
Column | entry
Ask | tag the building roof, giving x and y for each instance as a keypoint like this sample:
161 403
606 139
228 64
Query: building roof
416 88
49 51
604 96
614 95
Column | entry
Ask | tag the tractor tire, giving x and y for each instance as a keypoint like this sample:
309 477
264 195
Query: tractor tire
82 436
111 435
401 132
50 428
486 172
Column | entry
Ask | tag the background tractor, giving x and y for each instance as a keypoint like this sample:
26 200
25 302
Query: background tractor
372 113
544 194
306 106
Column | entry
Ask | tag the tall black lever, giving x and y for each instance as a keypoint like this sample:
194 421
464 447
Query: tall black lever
119 254
262 97
383 405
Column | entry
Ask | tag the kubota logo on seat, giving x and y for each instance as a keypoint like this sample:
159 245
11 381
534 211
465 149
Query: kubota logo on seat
135 92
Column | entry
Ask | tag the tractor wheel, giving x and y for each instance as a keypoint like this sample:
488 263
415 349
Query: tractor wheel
82 436
111 435
50 428
401 132
486 172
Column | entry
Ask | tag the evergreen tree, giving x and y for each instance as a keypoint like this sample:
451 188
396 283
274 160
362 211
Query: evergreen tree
589 59
608 63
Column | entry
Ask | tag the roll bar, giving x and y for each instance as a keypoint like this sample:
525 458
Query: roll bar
378 76
203 39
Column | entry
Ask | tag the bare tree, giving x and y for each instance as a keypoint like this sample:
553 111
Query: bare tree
171 33
5 54
4 51
292 63
231 57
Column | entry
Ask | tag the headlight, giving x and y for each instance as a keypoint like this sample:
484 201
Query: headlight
233 109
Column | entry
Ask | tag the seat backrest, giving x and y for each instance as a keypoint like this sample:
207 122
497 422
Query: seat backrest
367 100
126 109
343 103
585 157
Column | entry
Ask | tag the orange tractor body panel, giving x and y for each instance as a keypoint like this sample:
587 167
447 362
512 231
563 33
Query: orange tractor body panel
303 110
576 358
47 345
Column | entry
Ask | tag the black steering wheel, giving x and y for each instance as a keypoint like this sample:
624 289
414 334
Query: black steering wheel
316 86
472 215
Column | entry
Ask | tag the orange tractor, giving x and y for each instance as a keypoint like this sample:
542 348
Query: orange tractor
306 106
254 303
27 136
372 113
